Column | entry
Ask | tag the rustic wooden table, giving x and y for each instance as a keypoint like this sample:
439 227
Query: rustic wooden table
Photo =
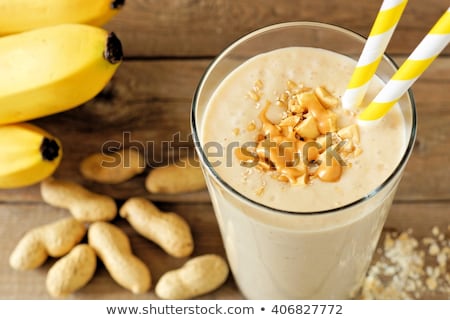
168 45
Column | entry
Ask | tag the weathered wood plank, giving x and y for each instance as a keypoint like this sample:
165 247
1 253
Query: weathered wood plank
16 219
150 99
204 27
420 217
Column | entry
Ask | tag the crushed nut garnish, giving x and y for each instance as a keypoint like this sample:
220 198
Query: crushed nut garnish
251 126
297 148
261 189
255 93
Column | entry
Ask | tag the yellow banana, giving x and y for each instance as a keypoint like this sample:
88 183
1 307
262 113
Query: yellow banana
22 15
53 69
28 155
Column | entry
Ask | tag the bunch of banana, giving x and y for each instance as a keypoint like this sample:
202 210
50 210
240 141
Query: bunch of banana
55 66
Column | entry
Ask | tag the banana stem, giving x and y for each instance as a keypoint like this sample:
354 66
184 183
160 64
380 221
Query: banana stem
113 51
117 4
49 149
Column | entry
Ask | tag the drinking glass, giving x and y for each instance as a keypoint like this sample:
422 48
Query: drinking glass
275 254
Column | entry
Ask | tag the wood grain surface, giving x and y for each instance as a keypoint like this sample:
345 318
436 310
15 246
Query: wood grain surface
204 27
168 45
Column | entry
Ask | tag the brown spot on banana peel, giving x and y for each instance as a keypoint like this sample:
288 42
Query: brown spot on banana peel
113 52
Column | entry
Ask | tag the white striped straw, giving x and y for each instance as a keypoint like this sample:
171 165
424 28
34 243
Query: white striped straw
419 60
382 30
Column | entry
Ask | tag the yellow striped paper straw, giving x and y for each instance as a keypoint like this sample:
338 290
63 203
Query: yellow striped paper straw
419 60
382 30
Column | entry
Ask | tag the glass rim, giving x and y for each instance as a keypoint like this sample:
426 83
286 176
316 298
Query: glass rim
207 164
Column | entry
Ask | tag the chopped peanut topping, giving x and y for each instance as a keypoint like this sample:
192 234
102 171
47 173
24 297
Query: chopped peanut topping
251 126
306 143
258 84
350 132
255 93
308 128
326 98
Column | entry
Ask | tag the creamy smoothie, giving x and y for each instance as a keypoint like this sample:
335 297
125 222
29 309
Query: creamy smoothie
300 189
233 119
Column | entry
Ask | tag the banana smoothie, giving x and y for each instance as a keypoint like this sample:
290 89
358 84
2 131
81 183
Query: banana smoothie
300 188
268 99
